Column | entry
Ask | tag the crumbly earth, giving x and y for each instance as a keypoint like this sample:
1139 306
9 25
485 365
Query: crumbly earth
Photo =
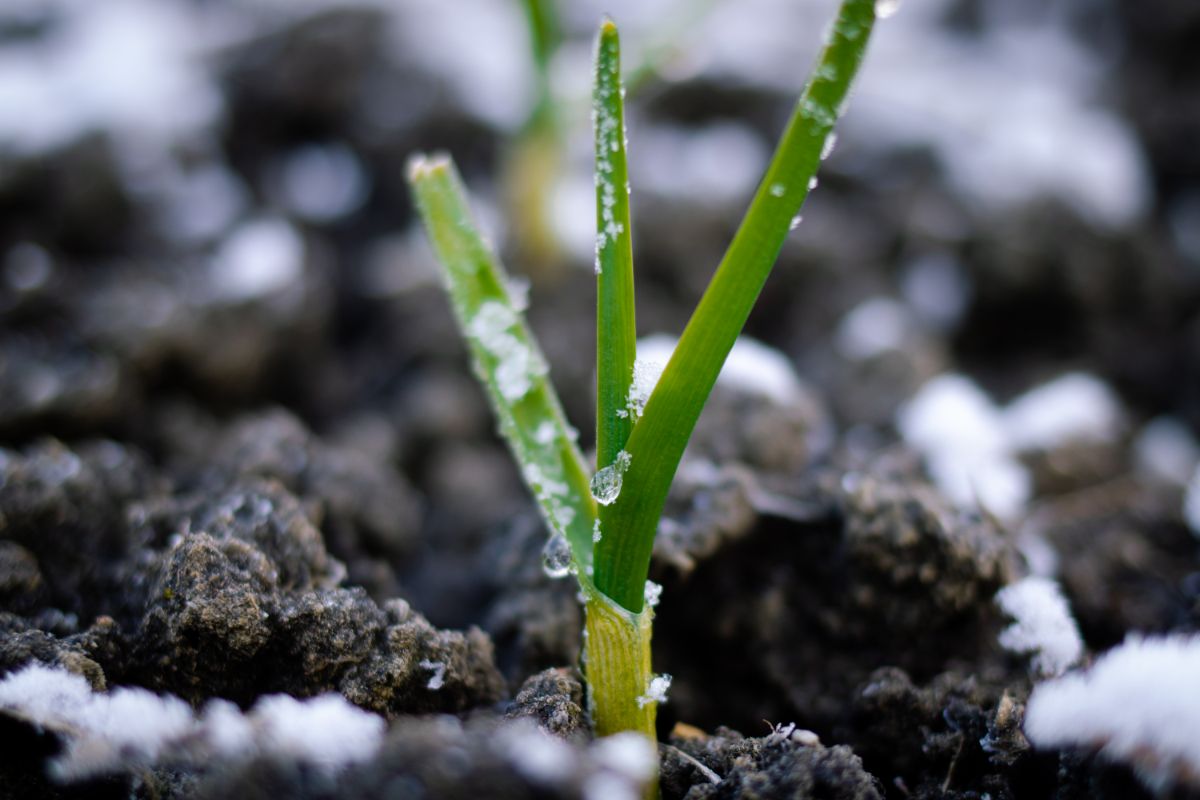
213 487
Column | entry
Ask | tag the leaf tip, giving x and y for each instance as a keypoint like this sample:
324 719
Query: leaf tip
422 165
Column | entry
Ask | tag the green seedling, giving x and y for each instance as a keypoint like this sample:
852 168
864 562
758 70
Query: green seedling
603 521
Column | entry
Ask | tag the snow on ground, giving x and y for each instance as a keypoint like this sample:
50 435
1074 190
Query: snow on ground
1043 625
1137 704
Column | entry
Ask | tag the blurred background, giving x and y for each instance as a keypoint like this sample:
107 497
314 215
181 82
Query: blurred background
203 221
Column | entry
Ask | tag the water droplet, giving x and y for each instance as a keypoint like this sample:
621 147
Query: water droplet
606 483
556 557
596 534
885 8
795 223
813 183
777 189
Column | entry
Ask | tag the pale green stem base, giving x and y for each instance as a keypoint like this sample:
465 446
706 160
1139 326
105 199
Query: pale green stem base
617 666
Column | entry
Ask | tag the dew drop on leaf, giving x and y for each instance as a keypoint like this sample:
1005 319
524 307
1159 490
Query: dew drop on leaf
556 557
606 483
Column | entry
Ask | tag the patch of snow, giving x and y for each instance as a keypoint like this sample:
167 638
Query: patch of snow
751 367
1008 109
1043 625
1137 704
1191 503
1165 450
1072 407
261 257
540 757
461 42
201 204
872 328
323 183
629 754
937 288
133 67
962 436
325 730
129 727
27 266
714 165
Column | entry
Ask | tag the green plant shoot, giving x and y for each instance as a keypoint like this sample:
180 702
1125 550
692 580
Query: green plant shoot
603 524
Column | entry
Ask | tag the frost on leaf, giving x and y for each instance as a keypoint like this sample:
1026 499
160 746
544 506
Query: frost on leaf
517 363
606 483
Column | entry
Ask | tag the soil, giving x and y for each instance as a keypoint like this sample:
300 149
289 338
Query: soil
299 490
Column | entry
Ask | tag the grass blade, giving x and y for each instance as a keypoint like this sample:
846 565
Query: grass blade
659 437
616 332
506 357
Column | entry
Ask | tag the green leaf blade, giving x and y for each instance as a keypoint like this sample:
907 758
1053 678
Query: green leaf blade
506 357
657 441
616 330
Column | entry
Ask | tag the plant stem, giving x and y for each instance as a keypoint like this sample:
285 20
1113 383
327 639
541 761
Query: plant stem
659 437
617 659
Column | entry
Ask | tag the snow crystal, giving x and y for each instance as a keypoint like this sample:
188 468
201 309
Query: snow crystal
606 483
1138 704
491 320
656 691
517 364
777 189
545 433
872 328
1044 625
653 593
438 679
596 534
260 258
1072 407
646 372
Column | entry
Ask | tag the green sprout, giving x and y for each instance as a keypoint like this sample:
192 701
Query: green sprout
603 522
